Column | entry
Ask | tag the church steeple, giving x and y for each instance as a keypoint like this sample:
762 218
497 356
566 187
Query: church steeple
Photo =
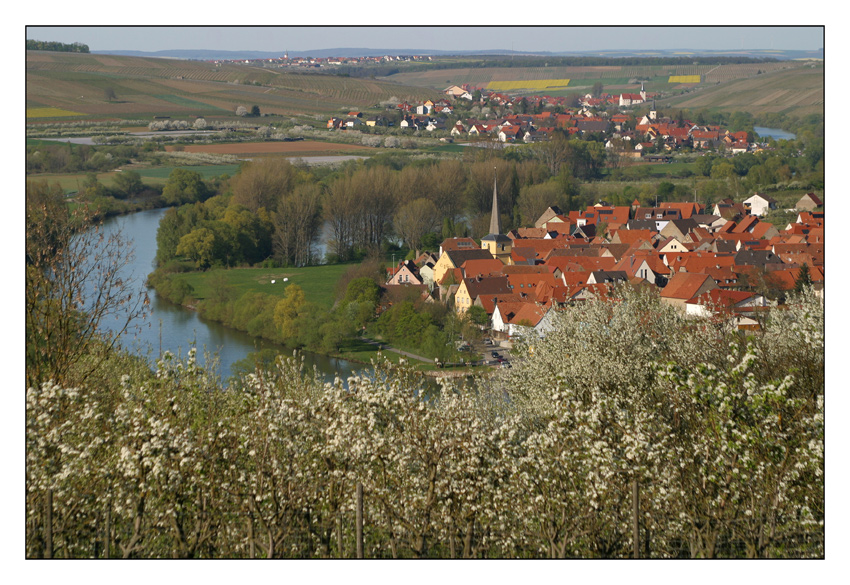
495 224
498 244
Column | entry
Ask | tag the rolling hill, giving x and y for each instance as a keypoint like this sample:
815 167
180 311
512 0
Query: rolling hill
798 92
795 87
140 87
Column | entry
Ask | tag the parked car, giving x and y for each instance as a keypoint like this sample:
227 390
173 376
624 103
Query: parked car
494 354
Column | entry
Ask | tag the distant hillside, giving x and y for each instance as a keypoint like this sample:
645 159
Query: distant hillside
213 54
132 87
797 92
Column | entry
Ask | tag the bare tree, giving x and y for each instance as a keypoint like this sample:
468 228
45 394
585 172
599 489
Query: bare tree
415 219
74 283
263 183
297 225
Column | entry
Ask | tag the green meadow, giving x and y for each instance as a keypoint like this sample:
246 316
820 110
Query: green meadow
318 282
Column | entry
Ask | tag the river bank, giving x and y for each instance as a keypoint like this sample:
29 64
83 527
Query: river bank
358 353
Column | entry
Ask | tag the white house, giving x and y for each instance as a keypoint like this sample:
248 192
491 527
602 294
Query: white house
522 318
759 204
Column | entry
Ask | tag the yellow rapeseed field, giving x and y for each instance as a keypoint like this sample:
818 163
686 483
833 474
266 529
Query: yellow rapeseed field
50 113
684 79
529 84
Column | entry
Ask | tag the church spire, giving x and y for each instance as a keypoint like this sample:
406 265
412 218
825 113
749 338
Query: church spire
495 224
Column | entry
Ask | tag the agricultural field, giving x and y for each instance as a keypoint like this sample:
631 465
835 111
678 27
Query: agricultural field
614 78
51 113
798 92
684 79
297 148
98 86
533 84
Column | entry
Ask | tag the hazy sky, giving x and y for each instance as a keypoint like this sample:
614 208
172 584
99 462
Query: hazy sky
553 39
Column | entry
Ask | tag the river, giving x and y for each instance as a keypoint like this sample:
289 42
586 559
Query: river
172 328
775 133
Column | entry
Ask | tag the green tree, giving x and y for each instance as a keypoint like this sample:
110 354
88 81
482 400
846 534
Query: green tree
184 186
286 313
128 183
803 280
199 245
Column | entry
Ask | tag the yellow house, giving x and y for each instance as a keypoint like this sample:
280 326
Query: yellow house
471 288
452 259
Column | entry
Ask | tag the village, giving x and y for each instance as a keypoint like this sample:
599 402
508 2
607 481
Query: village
722 263
623 133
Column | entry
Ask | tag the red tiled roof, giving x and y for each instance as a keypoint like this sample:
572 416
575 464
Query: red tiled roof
684 285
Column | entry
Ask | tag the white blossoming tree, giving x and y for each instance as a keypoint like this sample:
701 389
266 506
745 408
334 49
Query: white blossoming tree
628 431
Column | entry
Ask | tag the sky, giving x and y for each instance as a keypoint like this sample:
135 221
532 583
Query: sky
461 38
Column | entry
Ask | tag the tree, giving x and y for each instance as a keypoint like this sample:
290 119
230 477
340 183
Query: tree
803 279
74 283
415 219
297 225
109 93
199 245
241 111
286 312
255 111
92 188
263 183
129 183
597 89
184 186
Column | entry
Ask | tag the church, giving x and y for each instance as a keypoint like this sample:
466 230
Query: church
497 243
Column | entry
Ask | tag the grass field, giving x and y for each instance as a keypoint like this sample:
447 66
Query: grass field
71 182
297 148
145 86
161 174
318 282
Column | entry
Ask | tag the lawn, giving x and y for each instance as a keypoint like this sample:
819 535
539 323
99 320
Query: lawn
161 174
72 182
318 282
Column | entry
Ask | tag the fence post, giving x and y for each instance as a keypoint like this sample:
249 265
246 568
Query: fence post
635 519
48 524
359 520
106 530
